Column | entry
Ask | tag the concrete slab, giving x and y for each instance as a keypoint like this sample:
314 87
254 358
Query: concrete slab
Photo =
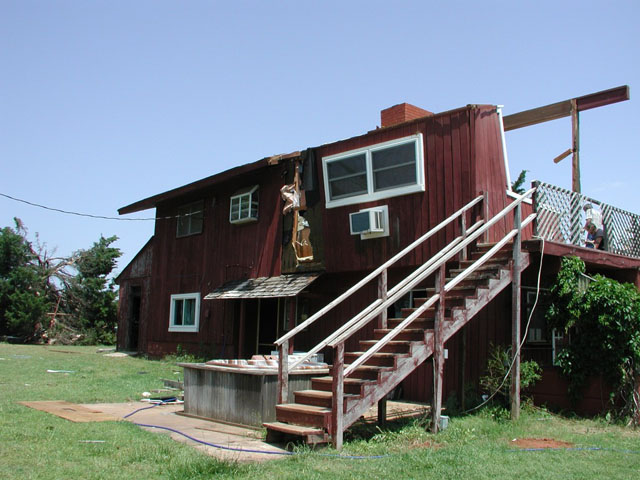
227 442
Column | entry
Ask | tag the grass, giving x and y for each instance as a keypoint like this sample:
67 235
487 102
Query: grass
37 445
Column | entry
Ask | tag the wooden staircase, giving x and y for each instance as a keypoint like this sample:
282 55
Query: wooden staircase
310 416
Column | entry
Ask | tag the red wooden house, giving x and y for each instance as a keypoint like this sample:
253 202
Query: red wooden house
247 261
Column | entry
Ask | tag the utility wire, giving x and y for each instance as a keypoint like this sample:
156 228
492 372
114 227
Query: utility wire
101 217
67 212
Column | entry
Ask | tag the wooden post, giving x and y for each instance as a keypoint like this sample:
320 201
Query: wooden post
337 388
283 372
438 353
534 203
463 368
575 134
241 329
291 320
463 232
515 315
485 213
382 412
382 295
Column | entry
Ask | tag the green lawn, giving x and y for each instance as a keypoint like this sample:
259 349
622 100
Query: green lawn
37 445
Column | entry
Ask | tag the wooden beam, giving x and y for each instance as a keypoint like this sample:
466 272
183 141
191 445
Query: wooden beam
563 155
563 109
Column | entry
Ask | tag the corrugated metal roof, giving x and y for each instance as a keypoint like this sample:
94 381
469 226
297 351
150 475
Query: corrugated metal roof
264 287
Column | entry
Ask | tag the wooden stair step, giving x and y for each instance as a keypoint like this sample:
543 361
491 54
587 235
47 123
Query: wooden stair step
378 359
418 323
306 415
497 259
457 291
319 398
310 434
411 334
351 385
393 346
483 269
365 372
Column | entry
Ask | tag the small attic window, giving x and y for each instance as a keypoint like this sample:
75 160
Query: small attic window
244 205
190 219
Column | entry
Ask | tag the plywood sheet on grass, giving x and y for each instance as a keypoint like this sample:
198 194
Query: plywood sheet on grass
70 411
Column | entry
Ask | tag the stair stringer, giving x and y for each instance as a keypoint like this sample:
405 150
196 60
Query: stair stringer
421 351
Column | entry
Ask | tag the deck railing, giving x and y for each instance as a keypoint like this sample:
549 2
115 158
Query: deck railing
561 218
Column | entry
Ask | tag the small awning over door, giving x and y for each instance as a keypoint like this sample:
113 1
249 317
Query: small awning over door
264 287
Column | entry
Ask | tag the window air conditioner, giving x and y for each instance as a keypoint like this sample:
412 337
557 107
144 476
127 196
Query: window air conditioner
370 223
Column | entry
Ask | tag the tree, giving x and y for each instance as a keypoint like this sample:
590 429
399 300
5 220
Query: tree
34 283
24 287
89 297
517 185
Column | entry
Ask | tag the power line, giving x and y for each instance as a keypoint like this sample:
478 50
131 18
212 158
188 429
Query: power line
68 212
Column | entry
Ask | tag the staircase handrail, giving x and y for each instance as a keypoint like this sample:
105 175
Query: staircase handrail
378 305
434 266
377 271
433 299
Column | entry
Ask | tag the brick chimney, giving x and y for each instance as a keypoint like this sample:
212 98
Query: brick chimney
401 113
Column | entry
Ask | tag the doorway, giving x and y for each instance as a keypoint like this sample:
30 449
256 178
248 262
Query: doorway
135 296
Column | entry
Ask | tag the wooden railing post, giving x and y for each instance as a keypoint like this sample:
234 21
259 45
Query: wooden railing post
485 213
337 388
534 203
515 315
283 372
438 351
463 233
382 295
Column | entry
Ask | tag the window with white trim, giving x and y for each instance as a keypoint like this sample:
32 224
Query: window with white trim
244 206
379 171
184 314
190 219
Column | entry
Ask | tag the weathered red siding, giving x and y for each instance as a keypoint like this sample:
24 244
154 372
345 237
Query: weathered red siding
463 158
203 262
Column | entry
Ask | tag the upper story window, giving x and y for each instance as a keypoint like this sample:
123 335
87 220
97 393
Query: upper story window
379 171
244 206
184 315
190 219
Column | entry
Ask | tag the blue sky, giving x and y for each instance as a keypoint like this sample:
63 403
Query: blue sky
103 103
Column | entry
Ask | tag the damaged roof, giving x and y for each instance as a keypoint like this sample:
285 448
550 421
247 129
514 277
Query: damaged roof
264 287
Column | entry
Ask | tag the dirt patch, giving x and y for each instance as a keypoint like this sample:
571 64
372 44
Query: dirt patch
427 444
540 443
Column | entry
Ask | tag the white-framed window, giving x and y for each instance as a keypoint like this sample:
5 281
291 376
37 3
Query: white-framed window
379 171
244 206
184 314
190 219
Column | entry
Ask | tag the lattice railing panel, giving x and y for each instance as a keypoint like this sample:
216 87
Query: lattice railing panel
561 219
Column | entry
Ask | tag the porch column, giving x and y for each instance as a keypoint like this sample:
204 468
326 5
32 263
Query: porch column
515 316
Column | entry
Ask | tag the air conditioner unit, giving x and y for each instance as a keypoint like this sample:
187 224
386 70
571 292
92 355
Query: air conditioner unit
370 222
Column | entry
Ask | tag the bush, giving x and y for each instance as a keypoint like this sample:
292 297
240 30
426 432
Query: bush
603 318
498 364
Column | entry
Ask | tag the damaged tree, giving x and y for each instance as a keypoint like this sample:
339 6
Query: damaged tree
37 290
